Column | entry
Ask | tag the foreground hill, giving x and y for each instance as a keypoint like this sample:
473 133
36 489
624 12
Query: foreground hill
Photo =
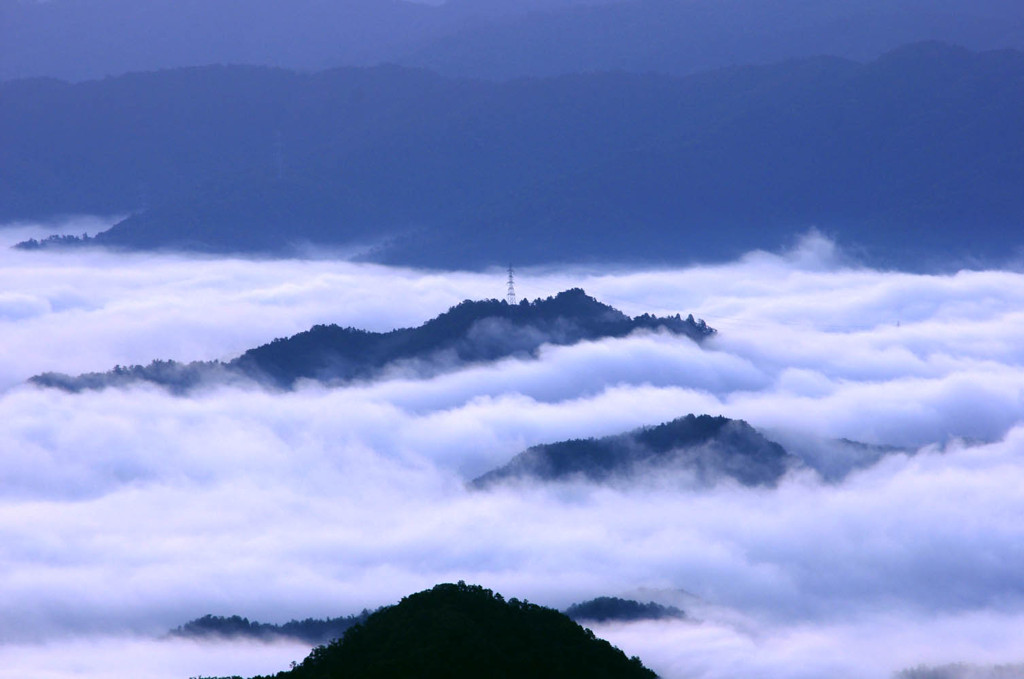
473 331
918 154
455 631
707 447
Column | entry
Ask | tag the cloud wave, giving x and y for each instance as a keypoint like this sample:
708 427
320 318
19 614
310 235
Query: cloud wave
127 512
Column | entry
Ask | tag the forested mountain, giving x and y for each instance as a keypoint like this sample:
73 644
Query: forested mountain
917 154
472 331
610 608
83 39
709 448
458 630
310 630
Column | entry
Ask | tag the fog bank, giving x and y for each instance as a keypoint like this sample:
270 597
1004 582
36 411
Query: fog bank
127 512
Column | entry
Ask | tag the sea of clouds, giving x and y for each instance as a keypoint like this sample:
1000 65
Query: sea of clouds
124 513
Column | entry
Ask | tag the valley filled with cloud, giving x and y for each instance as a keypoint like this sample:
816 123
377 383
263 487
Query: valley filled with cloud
126 512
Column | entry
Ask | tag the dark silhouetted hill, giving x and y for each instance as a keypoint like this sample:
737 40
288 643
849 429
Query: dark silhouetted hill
913 157
710 448
470 332
457 630
609 608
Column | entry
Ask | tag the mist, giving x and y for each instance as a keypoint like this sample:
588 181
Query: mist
124 513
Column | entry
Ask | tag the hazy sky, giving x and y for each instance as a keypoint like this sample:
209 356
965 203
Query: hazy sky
125 513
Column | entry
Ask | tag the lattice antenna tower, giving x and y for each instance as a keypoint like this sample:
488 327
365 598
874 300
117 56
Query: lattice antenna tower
510 297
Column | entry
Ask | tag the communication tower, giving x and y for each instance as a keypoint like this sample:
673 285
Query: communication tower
511 296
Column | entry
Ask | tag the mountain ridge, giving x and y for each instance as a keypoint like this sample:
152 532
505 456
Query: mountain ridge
469 332
494 39
911 157
707 447
682 37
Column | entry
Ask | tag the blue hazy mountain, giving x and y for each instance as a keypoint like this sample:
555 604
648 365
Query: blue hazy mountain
708 448
85 39
917 155
471 332
686 36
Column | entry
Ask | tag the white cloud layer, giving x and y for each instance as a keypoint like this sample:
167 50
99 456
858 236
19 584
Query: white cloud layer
129 512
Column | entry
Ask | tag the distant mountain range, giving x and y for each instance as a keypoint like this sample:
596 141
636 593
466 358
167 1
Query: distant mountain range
685 36
914 157
86 39
708 448
471 332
